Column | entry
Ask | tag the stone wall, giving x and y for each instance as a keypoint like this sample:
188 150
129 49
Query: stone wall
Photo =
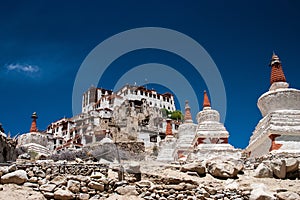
7 149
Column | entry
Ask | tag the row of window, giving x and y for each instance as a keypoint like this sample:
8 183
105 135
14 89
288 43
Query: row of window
147 95
161 106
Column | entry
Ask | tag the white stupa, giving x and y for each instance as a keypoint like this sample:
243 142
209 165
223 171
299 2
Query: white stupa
186 135
279 129
167 145
211 138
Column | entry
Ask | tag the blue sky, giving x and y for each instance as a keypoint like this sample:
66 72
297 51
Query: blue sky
43 43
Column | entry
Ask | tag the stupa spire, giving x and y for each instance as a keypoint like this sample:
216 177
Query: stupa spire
277 74
187 115
206 102
33 127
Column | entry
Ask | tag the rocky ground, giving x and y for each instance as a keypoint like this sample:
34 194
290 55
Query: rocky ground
269 177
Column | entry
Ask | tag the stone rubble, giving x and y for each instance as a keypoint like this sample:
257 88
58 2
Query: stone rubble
215 179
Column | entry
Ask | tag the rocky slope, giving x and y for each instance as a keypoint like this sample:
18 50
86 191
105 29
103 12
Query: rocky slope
214 179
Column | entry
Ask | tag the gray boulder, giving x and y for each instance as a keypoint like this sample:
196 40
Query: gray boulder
17 177
193 167
263 171
96 186
47 187
222 169
73 186
292 164
279 168
58 180
61 194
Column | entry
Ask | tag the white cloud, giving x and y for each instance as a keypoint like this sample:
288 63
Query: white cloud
22 68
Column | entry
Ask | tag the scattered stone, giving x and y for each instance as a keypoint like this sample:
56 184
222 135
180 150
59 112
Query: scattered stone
78 160
58 180
17 177
211 190
33 185
126 190
144 183
239 164
193 167
221 169
112 174
292 164
83 196
178 187
61 194
96 186
263 171
48 171
48 195
47 187
12 168
192 174
120 183
279 168
260 192
33 180
73 186
4 170
189 187
281 190
231 185
40 173
79 178
30 174
97 175
84 189
180 196
43 181
288 196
